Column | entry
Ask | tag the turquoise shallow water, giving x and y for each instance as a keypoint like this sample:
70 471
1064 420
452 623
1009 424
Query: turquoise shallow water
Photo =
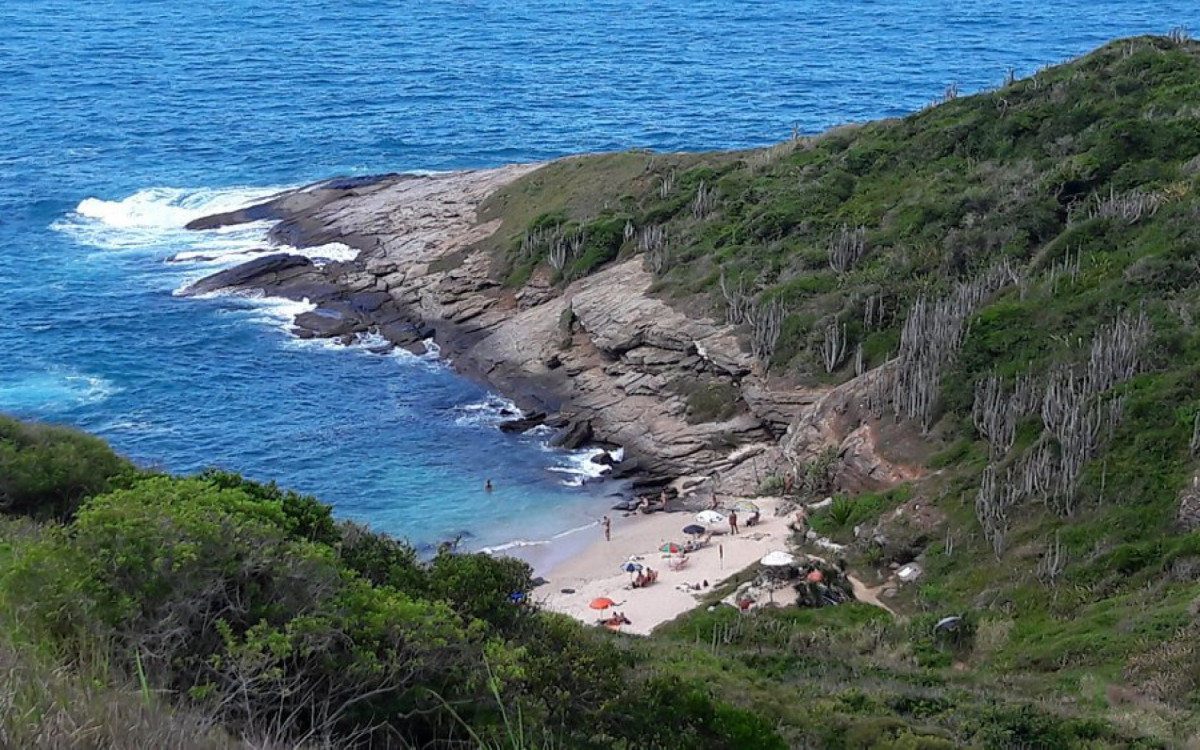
119 121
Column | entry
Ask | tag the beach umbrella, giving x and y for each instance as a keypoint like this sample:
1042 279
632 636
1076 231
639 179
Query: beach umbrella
694 529
602 603
671 548
710 518
630 566
745 506
778 559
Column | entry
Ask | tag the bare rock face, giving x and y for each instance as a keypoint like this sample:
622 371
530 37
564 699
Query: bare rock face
616 363
840 420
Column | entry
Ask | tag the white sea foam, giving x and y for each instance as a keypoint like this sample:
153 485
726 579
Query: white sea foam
278 312
52 389
153 220
515 544
491 411
579 466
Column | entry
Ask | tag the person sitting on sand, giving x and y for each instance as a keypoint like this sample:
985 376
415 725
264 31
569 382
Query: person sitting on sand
644 504
754 519
799 523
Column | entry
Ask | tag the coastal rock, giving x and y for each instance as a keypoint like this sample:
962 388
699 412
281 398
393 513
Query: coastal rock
269 270
631 369
576 436
838 419
603 459
297 202
523 424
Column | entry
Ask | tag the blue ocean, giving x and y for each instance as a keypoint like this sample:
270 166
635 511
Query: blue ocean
121 120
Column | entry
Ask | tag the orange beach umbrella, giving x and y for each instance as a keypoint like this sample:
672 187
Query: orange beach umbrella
602 603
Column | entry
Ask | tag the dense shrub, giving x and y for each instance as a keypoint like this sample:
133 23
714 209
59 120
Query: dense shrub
46 471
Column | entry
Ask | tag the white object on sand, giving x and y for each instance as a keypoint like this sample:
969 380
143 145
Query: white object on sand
777 559
710 518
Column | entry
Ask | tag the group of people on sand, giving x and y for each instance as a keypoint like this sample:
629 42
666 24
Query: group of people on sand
615 621
646 505
645 578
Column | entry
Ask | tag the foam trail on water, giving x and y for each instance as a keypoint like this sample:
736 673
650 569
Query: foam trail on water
153 220
53 389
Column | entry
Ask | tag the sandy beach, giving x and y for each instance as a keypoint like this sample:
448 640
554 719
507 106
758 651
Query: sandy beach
595 571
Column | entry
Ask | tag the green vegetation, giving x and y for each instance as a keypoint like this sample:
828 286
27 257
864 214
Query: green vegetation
1022 265
216 607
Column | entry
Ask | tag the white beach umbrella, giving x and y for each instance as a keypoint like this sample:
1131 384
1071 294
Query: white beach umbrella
778 559
710 518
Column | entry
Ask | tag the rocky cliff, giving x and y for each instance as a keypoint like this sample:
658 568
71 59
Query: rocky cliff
611 361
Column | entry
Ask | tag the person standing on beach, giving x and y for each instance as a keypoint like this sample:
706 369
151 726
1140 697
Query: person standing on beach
733 522
607 528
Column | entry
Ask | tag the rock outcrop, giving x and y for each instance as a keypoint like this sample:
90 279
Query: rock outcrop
614 362
839 419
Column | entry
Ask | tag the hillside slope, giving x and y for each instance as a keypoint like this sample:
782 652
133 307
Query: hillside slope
1000 290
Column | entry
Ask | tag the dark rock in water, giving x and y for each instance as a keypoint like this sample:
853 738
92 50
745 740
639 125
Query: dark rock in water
557 421
604 459
257 212
403 333
625 468
368 302
523 424
323 325
575 437
506 412
251 272
304 200
357 181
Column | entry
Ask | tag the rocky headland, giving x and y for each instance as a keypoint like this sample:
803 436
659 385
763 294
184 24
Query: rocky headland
603 358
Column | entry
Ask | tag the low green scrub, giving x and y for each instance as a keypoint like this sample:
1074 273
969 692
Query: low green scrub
255 609
847 512
45 471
